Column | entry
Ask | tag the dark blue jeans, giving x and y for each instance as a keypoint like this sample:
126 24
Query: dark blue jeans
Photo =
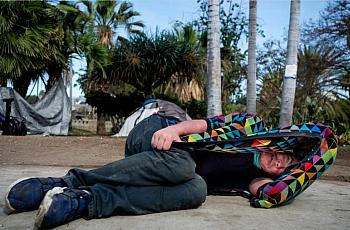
145 181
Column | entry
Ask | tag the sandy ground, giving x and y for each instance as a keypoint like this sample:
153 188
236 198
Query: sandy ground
74 151
325 205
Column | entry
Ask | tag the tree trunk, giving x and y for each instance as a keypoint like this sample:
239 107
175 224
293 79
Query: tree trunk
3 82
55 73
21 85
251 79
101 126
290 74
214 62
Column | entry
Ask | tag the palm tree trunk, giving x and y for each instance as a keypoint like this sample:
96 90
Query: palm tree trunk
54 71
3 82
251 80
289 80
101 126
21 85
214 62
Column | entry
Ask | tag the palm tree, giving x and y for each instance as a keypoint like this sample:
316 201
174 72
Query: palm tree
187 88
112 15
319 84
107 17
147 62
251 79
72 22
30 37
289 80
213 58
80 39
318 93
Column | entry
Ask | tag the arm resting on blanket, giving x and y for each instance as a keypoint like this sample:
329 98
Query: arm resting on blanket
163 138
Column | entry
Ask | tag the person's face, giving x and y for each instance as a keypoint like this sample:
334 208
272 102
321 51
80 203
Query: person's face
275 163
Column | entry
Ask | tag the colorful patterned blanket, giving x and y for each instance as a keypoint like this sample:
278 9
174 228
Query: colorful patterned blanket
244 133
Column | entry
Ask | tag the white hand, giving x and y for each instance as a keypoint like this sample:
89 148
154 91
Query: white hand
163 138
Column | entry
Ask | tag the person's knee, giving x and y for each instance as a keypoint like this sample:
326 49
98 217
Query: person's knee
181 164
188 170
198 190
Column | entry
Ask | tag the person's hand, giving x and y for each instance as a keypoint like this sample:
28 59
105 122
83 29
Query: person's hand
163 138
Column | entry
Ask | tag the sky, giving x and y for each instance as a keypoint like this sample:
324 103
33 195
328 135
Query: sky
272 16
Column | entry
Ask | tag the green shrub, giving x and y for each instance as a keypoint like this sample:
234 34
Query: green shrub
196 109
228 108
121 105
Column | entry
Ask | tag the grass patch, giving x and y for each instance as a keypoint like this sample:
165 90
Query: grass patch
80 132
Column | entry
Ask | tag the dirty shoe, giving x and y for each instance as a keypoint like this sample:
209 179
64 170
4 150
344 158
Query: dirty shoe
61 205
26 194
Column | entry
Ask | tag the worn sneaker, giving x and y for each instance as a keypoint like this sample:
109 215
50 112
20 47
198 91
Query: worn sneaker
26 194
61 205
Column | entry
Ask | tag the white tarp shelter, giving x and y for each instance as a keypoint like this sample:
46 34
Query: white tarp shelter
149 107
50 115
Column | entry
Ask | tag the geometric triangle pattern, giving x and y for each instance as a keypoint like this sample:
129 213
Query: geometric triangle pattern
228 127
300 176
315 144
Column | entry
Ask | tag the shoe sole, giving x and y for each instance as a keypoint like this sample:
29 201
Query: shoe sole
45 205
8 209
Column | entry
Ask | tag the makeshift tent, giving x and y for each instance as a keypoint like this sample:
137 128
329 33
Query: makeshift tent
149 107
50 115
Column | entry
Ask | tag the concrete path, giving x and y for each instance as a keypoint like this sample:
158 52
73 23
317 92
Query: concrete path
325 205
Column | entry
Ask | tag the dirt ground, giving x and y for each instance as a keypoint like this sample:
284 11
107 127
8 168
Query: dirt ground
94 151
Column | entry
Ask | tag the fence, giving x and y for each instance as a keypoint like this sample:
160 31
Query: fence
90 125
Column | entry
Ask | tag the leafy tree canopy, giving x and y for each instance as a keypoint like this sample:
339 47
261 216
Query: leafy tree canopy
147 62
333 27
30 36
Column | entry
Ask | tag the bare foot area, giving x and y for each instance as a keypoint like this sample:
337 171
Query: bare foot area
95 151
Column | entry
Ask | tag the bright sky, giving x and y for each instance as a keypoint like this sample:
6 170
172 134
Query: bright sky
272 16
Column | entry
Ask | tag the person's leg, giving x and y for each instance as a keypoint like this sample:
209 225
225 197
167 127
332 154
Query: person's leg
144 169
137 200
139 138
63 205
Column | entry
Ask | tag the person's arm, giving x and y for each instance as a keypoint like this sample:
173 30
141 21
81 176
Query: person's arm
257 183
163 138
